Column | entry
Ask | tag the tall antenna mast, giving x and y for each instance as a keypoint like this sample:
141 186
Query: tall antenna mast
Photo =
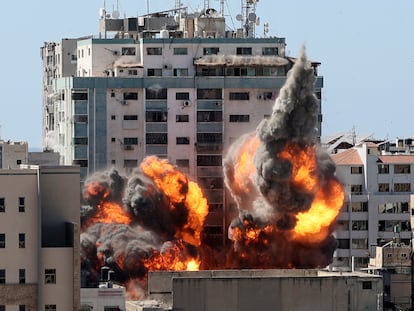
206 5
222 7
248 18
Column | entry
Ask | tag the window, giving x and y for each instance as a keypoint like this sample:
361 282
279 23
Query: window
343 243
402 169
239 96
359 243
131 163
50 307
130 140
128 51
402 187
111 308
209 116
356 189
356 169
129 117
239 118
342 225
211 51
79 96
270 51
209 160
241 71
182 163
113 139
383 169
182 140
113 117
132 72
154 72
156 116
182 96
22 240
393 207
156 93
80 140
182 118
180 51
131 96
81 163
156 138
366 285
154 51
244 51
80 118
22 307
18 162
2 205
209 138
2 276
209 94
384 187
359 206
50 276
180 72
359 225
2 240
22 276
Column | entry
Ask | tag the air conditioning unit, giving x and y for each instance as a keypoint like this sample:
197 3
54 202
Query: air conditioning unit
167 66
186 103
124 102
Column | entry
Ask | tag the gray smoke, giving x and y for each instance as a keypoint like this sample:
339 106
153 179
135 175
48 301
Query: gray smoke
270 200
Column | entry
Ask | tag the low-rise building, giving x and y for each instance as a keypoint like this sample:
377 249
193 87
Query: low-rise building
39 238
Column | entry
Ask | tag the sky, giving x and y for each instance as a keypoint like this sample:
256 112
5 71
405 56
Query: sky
366 51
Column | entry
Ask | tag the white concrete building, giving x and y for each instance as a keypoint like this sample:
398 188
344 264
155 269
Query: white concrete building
105 298
174 84
39 238
378 185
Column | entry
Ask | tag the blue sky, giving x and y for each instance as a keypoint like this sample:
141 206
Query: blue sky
365 48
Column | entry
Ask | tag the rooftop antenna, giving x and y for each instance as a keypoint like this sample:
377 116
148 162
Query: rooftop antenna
148 7
248 18
206 5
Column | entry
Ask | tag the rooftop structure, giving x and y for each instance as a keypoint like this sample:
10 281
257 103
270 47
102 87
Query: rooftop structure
266 289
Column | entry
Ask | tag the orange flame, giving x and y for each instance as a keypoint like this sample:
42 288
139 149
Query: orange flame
173 259
304 168
93 189
245 167
178 189
109 212
313 225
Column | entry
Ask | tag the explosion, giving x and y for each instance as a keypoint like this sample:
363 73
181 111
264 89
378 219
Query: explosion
284 185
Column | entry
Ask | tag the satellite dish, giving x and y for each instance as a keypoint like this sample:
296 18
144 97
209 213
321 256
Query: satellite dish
239 17
252 17
115 14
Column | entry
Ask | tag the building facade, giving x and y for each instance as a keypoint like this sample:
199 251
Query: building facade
39 238
378 183
174 84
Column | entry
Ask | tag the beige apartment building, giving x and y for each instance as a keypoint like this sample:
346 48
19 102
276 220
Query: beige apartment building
39 238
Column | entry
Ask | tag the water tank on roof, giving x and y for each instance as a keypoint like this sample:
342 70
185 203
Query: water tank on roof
164 34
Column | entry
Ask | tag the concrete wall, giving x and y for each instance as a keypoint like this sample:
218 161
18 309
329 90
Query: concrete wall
243 294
